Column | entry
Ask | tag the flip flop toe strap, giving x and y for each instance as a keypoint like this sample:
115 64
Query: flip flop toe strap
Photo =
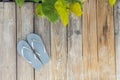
32 44
22 52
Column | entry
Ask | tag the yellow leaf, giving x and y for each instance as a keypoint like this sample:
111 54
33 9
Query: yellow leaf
61 8
38 9
112 2
76 8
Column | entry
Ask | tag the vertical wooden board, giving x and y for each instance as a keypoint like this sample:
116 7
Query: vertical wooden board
24 27
117 37
89 38
42 28
74 61
105 41
116 16
7 41
58 51
1 28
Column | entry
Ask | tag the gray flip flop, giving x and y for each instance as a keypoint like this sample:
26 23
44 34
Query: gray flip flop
25 50
37 44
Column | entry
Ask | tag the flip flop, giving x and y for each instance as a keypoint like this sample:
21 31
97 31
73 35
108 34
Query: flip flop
25 50
37 44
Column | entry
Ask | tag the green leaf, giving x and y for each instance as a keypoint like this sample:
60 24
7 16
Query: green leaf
72 1
51 2
61 8
112 2
35 1
19 2
81 4
38 10
49 11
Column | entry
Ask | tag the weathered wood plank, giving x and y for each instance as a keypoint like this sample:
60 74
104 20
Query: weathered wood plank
75 60
58 51
89 37
24 27
7 41
117 37
116 16
106 50
42 27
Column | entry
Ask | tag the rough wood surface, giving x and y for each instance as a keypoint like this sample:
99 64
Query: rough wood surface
89 35
116 16
42 28
58 51
7 41
82 51
24 27
75 60
117 37
105 30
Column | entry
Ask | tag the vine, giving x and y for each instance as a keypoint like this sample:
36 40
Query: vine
55 9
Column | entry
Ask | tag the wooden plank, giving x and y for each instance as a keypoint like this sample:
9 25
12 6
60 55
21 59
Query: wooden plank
75 60
117 37
58 51
89 38
116 16
42 27
24 27
7 41
106 50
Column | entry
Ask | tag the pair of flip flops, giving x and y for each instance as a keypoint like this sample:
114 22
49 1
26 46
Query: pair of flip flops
33 50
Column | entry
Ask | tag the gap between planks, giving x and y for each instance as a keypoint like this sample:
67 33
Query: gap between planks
56 34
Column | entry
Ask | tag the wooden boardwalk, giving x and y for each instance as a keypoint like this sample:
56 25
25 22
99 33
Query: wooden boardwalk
87 49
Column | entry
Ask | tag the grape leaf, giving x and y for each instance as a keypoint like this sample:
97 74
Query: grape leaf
112 2
38 10
49 11
35 1
61 8
76 8
19 2
51 2
70 1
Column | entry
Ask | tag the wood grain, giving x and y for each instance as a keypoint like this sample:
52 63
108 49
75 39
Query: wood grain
42 28
82 51
75 60
58 51
7 41
117 37
106 50
24 27
116 17
89 38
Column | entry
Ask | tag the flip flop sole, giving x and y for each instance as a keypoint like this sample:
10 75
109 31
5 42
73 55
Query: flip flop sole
37 44
25 50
